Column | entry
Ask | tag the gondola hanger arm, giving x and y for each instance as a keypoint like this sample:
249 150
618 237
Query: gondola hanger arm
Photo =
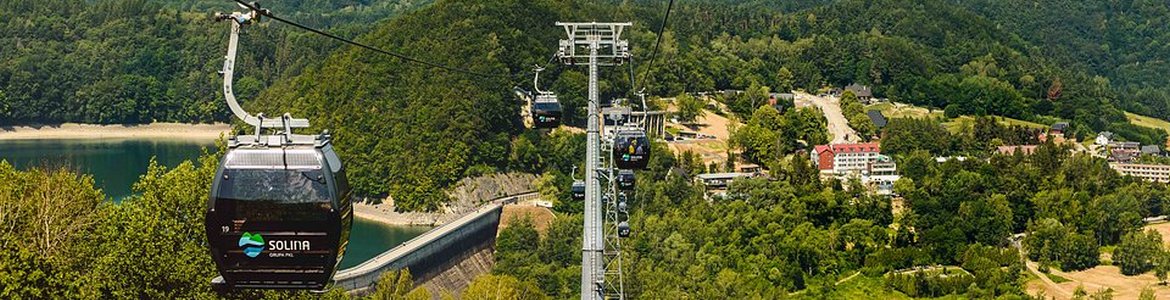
238 20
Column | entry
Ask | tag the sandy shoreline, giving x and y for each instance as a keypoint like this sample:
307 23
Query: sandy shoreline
382 213
172 131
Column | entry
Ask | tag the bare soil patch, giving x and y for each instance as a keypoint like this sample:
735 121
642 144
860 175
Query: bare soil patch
1099 278
541 217
1163 229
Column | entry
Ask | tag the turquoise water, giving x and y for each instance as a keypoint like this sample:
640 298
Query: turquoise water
114 163
368 239
117 164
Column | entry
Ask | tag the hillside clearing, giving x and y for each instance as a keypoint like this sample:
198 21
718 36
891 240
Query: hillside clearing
1145 121
967 123
894 110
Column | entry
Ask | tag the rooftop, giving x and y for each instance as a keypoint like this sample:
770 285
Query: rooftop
1151 149
709 176
860 90
784 96
877 118
849 148
1009 150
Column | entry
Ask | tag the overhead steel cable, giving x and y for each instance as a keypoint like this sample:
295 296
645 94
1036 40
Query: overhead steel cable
403 57
654 54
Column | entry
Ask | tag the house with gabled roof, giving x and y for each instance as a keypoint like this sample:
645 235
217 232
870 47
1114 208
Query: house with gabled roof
863 93
1059 128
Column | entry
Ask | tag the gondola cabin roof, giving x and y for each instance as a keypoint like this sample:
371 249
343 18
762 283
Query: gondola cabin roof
273 158
546 98
281 152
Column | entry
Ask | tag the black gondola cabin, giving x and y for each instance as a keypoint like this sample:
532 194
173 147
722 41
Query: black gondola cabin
546 112
578 190
279 217
625 180
631 149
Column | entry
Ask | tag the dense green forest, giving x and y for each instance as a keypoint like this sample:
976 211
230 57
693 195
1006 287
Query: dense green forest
790 235
138 61
60 238
1124 42
409 131
931 53
794 236
127 61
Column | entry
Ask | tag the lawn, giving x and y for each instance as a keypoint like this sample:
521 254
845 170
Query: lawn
864 287
892 111
1145 121
962 123
965 123
1056 278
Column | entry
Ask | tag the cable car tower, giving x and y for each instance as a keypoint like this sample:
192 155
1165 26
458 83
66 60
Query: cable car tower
595 44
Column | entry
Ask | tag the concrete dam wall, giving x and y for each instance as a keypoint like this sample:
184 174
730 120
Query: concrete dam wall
451 254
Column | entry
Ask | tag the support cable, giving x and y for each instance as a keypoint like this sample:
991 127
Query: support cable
255 7
654 53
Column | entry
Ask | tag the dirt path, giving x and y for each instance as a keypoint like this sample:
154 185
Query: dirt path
541 217
838 126
1093 280
843 280
707 123
1050 286
710 150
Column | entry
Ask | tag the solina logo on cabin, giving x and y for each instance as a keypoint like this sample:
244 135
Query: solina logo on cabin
253 244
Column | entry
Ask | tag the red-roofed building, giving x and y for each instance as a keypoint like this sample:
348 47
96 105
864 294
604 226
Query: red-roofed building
845 158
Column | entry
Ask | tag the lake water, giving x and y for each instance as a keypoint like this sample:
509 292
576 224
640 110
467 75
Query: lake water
117 164
114 164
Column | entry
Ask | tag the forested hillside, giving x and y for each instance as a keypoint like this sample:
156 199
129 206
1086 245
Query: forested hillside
1125 42
409 131
793 236
132 61
137 61
928 53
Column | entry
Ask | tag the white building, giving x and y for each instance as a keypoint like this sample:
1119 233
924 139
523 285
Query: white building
1104 138
843 159
1155 173
881 175
863 161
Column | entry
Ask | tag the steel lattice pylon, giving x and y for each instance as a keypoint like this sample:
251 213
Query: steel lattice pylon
596 44
615 282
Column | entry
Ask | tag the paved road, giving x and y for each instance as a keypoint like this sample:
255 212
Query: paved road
838 126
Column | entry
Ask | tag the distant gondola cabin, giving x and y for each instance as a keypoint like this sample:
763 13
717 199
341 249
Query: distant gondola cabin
578 190
625 179
624 229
